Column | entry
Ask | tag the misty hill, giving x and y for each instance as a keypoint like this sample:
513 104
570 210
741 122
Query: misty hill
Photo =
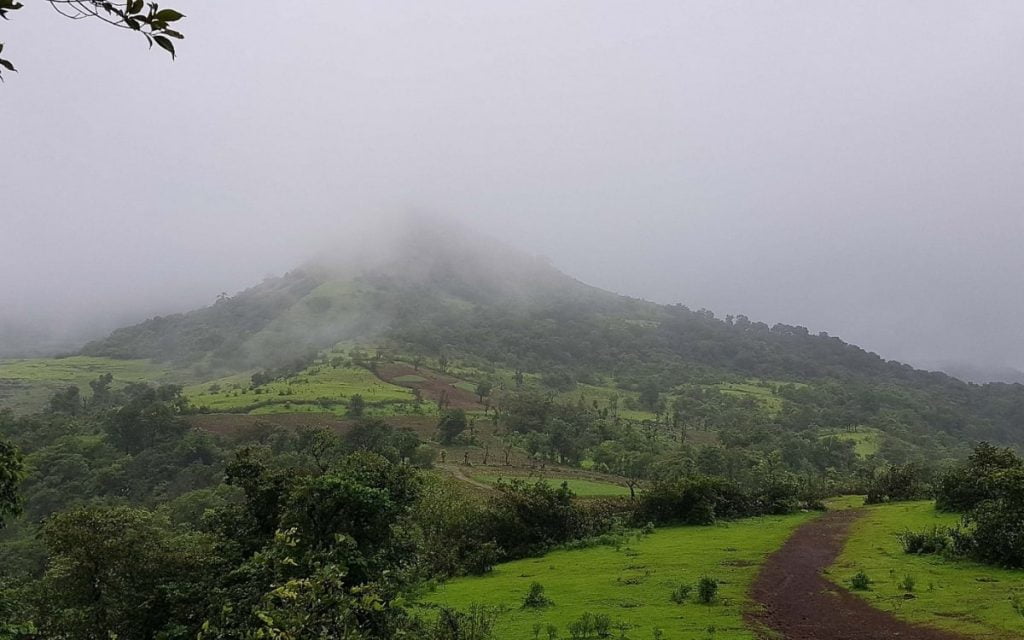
484 303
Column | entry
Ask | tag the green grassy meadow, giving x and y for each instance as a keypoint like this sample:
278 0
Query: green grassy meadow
962 596
26 384
580 486
764 395
866 441
633 584
304 391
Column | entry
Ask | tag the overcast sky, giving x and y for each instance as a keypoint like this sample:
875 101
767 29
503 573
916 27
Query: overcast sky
854 167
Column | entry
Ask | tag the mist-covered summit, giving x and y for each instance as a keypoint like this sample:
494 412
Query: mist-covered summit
354 293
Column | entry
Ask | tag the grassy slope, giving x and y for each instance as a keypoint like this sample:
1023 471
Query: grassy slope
866 441
26 384
580 486
962 596
592 580
300 393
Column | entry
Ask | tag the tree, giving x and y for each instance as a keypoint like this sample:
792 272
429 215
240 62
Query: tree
452 423
149 19
483 389
11 473
122 572
356 405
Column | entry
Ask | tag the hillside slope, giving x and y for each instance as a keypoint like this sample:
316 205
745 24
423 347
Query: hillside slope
489 306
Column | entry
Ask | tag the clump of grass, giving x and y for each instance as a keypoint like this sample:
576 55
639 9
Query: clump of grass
535 598
681 593
860 581
1017 603
707 590
908 583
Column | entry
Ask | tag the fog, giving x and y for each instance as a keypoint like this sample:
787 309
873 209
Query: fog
853 167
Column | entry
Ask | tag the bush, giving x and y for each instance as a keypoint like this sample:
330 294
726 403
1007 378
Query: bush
934 540
590 625
898 482
681 593
535 598
860 581
707 590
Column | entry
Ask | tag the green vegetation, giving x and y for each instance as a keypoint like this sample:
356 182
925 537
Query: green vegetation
320 387
634 583
26 384
580 486
866 441
959 595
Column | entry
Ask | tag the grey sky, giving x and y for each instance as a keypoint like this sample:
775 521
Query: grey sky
855 167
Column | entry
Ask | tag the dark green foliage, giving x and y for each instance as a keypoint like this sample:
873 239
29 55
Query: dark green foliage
681 593
451 425
475 624
121 571
524 518
899 482
707 590
980 479
998 524
936 540
356 405
694 500
535 598
12 471
860 581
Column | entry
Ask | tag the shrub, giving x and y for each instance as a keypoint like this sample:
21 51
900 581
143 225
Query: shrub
552 631
934 540
898 482
707 590
535 598
860 581
681 593
908 583
475 624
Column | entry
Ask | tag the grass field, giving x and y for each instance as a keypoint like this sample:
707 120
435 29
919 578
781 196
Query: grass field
866 440
580 486
319 388
765 395
26 384
633 584
967 597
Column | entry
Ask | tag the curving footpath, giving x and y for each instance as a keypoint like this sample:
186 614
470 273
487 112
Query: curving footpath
799 603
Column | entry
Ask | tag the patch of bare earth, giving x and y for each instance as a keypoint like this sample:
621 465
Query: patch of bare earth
432 386
799 603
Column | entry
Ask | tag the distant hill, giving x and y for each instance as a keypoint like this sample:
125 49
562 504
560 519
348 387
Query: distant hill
479 301
980 374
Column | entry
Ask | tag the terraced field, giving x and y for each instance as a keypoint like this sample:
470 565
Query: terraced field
318 389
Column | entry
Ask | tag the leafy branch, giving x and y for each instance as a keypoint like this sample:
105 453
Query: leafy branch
148 19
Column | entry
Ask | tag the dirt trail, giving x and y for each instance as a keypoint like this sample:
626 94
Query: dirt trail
801 604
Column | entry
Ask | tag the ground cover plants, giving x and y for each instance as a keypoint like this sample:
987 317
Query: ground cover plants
652 582
956 594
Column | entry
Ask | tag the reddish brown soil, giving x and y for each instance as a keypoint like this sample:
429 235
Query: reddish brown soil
233 423
434 384
800 604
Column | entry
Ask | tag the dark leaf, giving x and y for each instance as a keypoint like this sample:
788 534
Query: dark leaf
165 44
6 64
169 15
135 6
